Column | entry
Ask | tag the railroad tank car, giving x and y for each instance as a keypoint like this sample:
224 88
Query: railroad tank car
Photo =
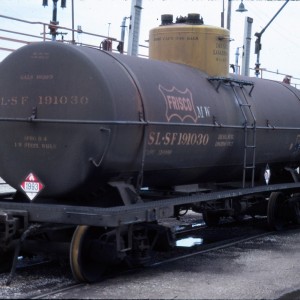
84 129
75 115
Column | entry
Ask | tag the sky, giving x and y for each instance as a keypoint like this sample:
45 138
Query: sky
280 41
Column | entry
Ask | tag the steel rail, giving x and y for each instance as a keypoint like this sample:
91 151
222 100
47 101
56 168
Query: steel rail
207 248
215 246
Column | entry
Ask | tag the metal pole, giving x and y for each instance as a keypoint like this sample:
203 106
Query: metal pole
73 39
44 32
108 29
229 14
123 26
247 45
134 29
54 19
237 54
258 40
54 12
222 16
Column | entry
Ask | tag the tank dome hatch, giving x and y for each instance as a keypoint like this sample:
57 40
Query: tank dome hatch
189 41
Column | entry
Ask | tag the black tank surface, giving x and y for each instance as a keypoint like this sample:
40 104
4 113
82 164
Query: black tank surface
73 118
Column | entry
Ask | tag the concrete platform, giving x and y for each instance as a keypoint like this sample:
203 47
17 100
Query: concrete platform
264 268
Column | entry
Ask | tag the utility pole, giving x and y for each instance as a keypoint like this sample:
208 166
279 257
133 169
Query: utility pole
258 39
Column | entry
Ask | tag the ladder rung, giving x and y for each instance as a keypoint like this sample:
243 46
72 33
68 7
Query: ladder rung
250 139
250 167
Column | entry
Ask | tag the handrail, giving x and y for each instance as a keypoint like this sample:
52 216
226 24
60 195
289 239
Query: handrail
60 27
44 33
21 33
47 26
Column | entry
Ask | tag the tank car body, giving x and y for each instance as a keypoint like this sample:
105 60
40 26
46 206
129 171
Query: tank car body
93 138
78 118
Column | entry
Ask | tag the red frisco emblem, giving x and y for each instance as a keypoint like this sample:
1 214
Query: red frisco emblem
179 104
31 186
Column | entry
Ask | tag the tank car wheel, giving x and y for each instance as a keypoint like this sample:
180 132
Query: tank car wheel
277 211
84 266
211 219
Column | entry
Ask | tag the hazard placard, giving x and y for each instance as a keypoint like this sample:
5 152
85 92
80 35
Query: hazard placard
32 186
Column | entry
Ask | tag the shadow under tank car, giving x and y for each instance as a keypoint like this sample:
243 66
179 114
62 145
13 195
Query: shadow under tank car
112 144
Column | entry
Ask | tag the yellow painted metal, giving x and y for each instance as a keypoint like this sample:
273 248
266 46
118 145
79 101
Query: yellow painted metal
201 46
75 252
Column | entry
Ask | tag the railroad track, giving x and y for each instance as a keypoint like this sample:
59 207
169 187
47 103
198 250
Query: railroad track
48 279
60 292
213 247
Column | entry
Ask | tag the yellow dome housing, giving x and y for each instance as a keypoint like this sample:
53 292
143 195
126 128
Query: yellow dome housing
190 42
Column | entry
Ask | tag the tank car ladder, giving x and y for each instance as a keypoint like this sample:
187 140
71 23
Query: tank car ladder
249 130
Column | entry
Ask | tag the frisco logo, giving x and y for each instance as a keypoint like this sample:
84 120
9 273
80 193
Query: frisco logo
179 104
